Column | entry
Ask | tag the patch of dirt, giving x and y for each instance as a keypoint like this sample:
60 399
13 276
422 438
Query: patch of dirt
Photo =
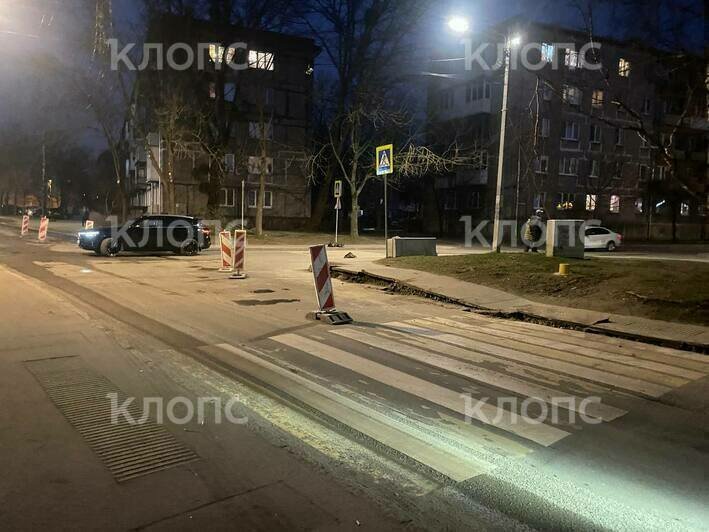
257 302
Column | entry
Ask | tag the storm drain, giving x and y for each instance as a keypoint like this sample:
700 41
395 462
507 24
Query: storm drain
128 445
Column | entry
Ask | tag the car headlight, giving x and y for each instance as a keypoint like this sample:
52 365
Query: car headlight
89 234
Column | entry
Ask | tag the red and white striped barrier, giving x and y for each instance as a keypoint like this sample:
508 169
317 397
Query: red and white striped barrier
227 252
239 254
321 275
89 224
25 227
323 288
43 227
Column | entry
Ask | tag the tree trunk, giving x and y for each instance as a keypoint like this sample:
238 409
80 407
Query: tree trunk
354 214
321 203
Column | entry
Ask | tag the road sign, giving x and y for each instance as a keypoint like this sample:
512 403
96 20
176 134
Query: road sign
385 159
338 189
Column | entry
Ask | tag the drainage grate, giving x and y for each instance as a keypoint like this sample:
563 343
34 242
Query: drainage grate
128 450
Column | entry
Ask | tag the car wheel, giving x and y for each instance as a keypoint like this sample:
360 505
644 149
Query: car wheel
109 248
189 248
610 246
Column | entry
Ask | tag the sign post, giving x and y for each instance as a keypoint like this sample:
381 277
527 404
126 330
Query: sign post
242 204
338 206
385 166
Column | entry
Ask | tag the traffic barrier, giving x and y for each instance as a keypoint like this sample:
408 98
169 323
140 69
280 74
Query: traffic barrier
25 228
43 227
239 254
323 288
89 224
227 252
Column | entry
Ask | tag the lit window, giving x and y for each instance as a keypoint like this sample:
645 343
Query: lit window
569 166
623 67
597 99
217 53
566 201
545 127
571 59
639 205
590 202
615 204
684 209
260 60
547 52
571 131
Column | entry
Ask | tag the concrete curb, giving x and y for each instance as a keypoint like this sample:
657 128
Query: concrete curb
396 285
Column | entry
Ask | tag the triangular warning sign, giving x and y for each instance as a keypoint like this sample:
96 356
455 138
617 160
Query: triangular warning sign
384 161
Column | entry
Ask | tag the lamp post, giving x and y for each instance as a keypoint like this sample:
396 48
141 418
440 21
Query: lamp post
461 25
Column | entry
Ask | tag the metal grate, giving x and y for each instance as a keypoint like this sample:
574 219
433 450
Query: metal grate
128 450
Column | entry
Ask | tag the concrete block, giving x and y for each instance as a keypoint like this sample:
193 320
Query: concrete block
409 247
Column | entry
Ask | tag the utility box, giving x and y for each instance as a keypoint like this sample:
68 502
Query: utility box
409 247
565 238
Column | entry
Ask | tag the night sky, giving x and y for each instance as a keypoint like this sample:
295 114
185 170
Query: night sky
32 96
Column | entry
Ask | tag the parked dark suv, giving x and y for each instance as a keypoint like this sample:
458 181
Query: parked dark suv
163 232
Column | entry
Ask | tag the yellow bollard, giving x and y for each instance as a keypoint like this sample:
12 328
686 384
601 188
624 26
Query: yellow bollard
563 269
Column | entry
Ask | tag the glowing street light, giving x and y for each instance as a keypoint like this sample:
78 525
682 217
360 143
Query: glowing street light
459 24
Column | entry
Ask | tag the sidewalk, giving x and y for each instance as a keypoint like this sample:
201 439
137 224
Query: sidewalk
55 476
672 334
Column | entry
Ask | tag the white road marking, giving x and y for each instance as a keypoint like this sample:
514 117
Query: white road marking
565 356
619 381
486 413
403 438
522 336
493 378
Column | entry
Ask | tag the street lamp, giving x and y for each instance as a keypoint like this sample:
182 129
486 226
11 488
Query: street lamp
458 24
461 25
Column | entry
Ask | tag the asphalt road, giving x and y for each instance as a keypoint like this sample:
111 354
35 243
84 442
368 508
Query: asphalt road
418 415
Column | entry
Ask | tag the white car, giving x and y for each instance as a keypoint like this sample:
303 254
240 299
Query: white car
601 238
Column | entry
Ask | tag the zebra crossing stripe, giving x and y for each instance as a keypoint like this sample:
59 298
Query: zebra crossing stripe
563 355
486 413
402 437
477 373
600 376
522 336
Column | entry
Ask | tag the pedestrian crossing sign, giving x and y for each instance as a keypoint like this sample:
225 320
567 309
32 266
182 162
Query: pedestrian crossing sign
385 159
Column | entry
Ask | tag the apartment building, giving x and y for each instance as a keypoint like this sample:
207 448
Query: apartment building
258 118
607 132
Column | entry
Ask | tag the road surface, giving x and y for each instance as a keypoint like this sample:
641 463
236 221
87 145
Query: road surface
418 415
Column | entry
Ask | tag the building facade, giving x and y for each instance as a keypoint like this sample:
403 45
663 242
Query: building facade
613 132
255 119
